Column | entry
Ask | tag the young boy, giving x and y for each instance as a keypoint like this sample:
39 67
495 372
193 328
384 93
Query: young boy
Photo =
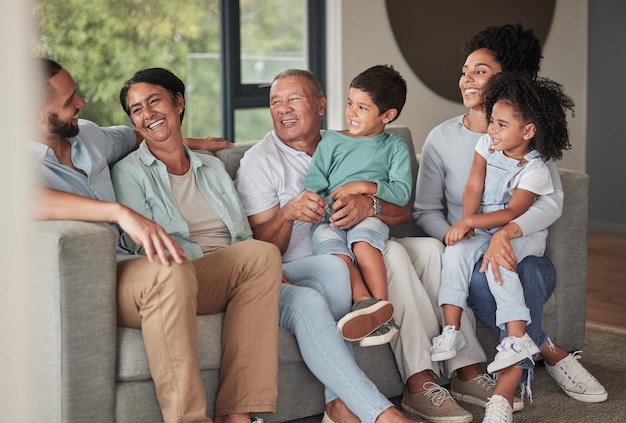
364 160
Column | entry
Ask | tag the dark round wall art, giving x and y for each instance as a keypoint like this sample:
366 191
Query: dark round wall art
431 34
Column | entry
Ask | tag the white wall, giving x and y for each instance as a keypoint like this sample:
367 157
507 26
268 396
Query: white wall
16 354
359 36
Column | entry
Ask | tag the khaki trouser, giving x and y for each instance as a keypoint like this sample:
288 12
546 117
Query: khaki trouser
417 287
243 281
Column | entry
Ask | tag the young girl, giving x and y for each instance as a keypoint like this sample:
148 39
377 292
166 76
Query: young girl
527 126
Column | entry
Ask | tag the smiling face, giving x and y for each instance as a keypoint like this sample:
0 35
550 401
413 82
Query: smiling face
154 112
363 116
61 112
508 131
296 112
479 66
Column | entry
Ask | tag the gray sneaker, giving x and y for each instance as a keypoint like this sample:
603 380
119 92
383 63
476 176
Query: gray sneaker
365 317
434 405
380 336
477 391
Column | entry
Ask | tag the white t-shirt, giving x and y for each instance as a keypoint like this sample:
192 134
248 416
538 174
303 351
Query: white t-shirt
534 177
270 174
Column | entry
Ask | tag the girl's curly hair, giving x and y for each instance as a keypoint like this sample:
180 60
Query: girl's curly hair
513 47
541 101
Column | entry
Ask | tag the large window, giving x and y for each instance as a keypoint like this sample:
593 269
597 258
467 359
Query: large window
226 51
260 42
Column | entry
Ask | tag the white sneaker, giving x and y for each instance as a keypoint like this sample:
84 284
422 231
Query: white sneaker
576 381
498 410
446 345
511 351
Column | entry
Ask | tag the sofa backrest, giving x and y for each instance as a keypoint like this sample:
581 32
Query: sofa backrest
232 156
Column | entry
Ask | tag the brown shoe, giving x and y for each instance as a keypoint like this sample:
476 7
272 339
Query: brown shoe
365 317
477 391
435 404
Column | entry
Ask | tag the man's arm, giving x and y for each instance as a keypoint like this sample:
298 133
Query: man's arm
211 144
352 209
275 225
59 205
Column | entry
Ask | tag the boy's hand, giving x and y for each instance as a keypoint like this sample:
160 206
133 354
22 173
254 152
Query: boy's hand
357 187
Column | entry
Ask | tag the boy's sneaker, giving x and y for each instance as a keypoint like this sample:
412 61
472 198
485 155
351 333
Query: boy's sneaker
446 345
365 317
380 336
511 351
434 405
576 381
498 410
477 391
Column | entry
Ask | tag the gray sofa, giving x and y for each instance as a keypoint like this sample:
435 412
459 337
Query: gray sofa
93 371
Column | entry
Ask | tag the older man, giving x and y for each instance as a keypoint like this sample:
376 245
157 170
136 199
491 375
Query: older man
271 188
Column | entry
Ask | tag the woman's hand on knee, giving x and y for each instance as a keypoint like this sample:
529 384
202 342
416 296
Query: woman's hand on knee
499 253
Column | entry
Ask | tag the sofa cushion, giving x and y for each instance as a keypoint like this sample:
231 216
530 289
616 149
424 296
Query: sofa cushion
132 362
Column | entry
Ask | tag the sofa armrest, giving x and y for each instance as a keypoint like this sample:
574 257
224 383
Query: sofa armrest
567 248
74 272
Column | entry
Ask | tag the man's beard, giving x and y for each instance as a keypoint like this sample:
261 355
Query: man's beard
63 129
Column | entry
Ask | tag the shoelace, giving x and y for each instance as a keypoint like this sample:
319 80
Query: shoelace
485 381
392 323
497 409
445 339
576 372
436 393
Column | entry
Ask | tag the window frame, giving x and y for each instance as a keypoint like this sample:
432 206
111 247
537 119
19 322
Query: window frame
236 95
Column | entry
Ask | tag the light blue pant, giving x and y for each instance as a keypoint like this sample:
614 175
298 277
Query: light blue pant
459 260
310 308
329 240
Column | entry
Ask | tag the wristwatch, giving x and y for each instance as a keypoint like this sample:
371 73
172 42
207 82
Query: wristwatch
376 205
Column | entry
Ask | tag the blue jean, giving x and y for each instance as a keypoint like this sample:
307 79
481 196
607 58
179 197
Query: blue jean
538 277
329 240
309 309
